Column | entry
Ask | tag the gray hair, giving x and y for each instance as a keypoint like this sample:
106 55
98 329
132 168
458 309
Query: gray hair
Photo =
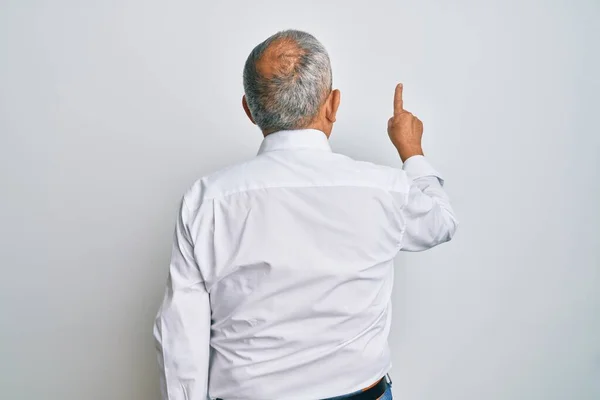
291 97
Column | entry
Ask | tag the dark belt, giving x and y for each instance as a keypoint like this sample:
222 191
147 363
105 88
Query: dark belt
372 393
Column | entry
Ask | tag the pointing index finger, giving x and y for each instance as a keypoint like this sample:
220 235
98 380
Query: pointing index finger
398 103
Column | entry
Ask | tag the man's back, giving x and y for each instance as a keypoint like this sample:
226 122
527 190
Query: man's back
282 267
299 267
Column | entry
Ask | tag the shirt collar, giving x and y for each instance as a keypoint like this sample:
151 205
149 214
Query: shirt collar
294 140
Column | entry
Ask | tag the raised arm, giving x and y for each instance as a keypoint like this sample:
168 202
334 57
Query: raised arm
428 217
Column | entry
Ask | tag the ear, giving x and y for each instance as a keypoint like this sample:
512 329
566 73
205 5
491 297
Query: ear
332 107
246 109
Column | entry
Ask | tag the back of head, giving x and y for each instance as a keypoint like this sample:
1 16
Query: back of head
286 80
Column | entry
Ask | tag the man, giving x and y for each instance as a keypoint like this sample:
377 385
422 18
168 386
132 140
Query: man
282 267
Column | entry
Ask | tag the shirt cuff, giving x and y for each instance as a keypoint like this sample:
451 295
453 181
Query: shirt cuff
418 167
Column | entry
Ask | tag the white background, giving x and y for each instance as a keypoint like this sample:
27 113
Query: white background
109 110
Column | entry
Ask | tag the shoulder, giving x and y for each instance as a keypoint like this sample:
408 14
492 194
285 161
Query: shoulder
334 169
372 174
217 183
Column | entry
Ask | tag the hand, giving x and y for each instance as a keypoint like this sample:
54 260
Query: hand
405 130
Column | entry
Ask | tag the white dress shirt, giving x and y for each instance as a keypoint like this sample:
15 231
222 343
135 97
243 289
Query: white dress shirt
282 268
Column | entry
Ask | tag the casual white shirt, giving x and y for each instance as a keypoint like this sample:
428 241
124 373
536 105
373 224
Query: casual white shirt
282 268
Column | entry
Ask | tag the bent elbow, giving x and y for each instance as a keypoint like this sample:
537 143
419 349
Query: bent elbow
448 226
451 227
438 227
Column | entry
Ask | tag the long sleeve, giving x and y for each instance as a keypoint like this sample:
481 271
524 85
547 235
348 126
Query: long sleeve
429 218
182 325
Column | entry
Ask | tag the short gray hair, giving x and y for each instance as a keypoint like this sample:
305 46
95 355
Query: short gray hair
291 97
